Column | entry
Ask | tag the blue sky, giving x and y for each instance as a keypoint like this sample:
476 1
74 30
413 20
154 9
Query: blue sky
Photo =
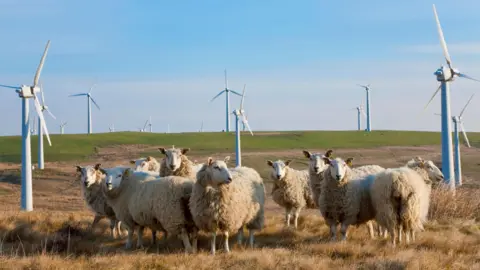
301 62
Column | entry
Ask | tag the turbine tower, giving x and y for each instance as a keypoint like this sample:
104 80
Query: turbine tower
112 128
227 101
369 116
62 127
89 110
238 113
25 92
446 75
43 107
360 112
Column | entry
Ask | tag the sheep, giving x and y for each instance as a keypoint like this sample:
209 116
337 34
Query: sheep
316 167
177 163
143 200
290 189
146 164
91 180
345 197
401 197
226 200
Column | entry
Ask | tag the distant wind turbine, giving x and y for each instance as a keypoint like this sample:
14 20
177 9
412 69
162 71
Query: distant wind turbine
227 101
201 127
239 113
111 128
369 116
62 127
89 110
43 107
360 112
150 124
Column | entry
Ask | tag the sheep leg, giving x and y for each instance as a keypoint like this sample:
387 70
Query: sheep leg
296 214
370 229
413 235
212 243
113 227
251 238
129 244
194 237
393 235
154 237
333 229
240 236
407 236
140 236
96 219
343 231
186 241
226 247
287 216
400 230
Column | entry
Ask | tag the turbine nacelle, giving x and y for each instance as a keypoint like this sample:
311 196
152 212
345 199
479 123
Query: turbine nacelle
446 74
27 91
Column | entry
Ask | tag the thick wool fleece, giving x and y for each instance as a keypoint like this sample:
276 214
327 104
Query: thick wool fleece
228 207
186 168
293 190
95 200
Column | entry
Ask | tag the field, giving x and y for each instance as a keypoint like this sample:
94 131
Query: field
56 234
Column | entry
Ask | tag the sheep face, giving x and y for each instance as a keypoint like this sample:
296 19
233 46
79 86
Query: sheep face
434 173
317 163
141 164
279 168
88 175
114 177
174 157
337 169
218 171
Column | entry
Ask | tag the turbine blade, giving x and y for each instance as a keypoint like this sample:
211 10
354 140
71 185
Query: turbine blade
51 114
467 77
221 92
442 39
235 92
42 119
94 102
434 94
77 95
40 66
8 86
470 99
364 114
438 114
43 97
145 126
243 97
245 122
93 85
464 134
364 86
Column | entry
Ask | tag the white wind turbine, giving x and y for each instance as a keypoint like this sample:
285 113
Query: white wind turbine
150 124
89 110
369 116
111 128
446 75
201 127
62 127
44 107
238 113
458 125
360 112
32 127
227 101
26 92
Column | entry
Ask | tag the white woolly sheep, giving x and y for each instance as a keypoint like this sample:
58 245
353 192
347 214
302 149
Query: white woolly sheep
316 167
160 203
345 197
177 163
226 200
146 164
91 182
401 197
291 189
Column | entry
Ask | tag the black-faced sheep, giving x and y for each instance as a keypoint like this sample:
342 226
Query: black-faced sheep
291 189
226 200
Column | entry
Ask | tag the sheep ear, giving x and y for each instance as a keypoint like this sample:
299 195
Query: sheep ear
421 164
227 159
327 160
349 161
329 152
79 168
132 161
288 162
209 161
306 154
185 150
162 150
126 172
149 158
270 163
97 166
103 171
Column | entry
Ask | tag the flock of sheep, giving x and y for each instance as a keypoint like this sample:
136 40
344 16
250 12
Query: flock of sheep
179 197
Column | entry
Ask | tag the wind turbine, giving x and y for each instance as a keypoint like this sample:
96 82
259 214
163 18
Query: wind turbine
43 107
369 117
150 124
25 92
360 112
112 128
201 127
446 75
227 101
62 127
89 110
458 124
238 113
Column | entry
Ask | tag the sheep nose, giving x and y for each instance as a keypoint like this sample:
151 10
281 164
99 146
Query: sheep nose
316 169
339 177
229 180
279 176
172 166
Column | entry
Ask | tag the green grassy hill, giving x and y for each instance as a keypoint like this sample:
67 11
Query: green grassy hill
76 146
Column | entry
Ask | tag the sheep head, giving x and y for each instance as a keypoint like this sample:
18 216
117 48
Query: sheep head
174 157
338 168
141 164
217 171
88 174
279 168
435 175
316 162
114 176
